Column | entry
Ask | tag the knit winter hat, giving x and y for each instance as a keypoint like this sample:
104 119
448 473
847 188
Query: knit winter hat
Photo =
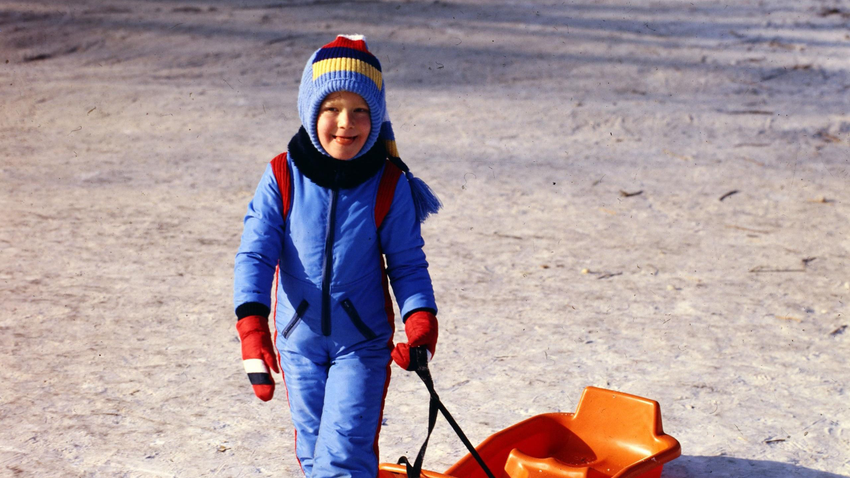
345 64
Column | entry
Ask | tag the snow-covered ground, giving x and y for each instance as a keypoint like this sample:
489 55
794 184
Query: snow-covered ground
650 197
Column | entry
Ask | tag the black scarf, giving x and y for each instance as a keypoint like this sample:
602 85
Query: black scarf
333 173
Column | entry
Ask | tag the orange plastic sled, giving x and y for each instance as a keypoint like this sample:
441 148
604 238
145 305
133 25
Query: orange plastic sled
610 435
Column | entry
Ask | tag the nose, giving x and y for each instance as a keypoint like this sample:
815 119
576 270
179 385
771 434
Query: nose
344 120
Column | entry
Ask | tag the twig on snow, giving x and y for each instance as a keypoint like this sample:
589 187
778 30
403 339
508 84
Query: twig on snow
759 269
610 275
730 193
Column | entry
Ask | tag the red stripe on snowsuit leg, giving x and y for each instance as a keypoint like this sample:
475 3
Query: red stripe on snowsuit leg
294 430
388 301
381 416
282 374
388 306
280 361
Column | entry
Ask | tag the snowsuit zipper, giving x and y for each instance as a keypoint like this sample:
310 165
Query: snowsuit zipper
327 270
299 313
358 322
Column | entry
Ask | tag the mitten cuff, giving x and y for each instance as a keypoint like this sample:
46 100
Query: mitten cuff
251 324
252 308
421 309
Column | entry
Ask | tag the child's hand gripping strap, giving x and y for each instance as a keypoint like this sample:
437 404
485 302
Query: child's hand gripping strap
421 329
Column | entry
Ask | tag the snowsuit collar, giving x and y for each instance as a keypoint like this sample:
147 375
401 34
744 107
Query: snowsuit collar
333 173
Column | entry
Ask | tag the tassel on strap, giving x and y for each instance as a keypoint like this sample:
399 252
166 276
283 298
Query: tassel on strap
425 201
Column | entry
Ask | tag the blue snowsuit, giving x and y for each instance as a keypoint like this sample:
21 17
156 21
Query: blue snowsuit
334 318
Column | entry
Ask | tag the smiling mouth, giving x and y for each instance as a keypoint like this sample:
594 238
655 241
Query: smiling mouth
345 140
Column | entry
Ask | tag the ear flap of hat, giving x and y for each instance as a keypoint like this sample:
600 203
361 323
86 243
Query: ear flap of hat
425 201
388 136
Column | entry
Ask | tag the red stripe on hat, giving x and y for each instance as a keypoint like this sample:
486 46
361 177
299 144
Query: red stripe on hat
348 43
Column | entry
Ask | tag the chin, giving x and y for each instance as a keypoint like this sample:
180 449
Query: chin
342 156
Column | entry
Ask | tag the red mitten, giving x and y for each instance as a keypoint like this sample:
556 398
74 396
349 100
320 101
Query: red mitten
258 354
421 329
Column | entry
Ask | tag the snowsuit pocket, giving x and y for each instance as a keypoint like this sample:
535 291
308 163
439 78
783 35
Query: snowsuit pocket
358 322
299 313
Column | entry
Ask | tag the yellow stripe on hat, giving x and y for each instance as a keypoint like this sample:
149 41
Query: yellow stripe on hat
391 147
347 64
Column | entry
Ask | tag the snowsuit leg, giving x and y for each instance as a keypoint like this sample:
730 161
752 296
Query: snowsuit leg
354 400
305 379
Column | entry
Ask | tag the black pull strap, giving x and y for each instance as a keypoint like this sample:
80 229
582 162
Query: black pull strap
419 364
415 470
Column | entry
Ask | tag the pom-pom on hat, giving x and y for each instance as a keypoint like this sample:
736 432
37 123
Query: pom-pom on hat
346 64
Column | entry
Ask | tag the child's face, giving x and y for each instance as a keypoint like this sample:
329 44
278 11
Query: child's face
344 124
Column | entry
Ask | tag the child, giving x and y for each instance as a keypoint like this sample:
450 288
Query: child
343 206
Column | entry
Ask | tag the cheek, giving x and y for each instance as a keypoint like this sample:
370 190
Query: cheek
365 126
323 125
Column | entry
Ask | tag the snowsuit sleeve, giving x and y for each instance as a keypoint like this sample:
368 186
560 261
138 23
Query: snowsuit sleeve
401 243
259 251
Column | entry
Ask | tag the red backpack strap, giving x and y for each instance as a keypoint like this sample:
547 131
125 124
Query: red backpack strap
386 191
280 168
